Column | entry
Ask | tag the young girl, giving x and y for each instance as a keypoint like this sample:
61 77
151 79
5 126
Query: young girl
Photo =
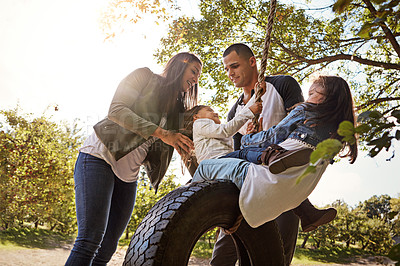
211 138
310 123
329 103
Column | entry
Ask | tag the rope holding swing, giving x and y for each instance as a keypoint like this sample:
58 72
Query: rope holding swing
259 90
267 42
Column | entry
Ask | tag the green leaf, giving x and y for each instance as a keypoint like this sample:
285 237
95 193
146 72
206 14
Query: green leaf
340 5
392 214
363 128
375 114
378 21
316 155
379 39
380 142
349 139
394 253
368 115
310 169
374 151
365 31
326 149
378 2
396 113
346 128
364 116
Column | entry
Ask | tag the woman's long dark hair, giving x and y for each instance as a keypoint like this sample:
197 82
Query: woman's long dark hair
336 107
172 97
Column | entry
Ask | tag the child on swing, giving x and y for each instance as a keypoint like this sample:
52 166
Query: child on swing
329 103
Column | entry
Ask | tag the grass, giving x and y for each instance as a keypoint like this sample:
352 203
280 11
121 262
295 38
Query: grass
45 239
304 256
32 238
202 250
336 255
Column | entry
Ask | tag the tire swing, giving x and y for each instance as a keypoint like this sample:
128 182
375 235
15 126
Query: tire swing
169 232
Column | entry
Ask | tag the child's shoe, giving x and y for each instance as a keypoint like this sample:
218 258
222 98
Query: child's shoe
279 159
312 217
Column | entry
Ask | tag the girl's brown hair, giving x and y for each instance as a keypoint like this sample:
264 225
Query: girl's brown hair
188 119
335 108
189 159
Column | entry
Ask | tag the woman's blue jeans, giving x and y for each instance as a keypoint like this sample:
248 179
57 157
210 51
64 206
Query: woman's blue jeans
104 205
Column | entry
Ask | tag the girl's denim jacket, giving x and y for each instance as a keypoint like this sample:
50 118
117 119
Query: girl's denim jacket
296 125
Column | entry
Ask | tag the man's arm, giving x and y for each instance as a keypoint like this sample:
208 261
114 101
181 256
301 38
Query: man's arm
288 88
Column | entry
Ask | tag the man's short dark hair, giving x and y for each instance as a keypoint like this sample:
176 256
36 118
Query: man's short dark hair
241 49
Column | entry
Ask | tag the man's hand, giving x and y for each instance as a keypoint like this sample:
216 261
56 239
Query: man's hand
252 129
256 108
263 86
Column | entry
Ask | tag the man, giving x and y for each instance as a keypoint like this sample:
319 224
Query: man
282 93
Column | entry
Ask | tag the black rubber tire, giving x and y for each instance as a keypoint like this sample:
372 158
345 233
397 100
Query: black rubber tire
168 233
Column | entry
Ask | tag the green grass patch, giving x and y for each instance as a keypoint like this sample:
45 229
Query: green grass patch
202 250
42 238
33 238
124 242
338 255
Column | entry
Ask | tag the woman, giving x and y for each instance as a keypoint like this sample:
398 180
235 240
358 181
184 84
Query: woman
139 130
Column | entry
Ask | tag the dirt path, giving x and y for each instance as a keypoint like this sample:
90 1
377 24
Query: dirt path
58 256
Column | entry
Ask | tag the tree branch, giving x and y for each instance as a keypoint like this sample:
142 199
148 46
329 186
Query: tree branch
340 57
356 59
391 109
385 28
376 101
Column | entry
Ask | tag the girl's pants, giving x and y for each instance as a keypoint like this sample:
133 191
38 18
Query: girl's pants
104 205
250 154
225 168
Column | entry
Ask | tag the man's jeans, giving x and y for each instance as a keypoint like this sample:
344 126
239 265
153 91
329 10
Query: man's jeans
104 205
227 168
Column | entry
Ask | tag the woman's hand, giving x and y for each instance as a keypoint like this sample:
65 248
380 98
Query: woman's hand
182 144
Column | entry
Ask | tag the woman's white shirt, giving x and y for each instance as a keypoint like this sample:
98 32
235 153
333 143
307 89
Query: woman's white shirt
127 168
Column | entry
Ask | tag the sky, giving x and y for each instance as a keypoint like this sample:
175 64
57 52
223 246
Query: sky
53 53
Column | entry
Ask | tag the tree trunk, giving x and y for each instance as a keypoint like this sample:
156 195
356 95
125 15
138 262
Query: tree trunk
364 246
305 241
127 232
53 226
